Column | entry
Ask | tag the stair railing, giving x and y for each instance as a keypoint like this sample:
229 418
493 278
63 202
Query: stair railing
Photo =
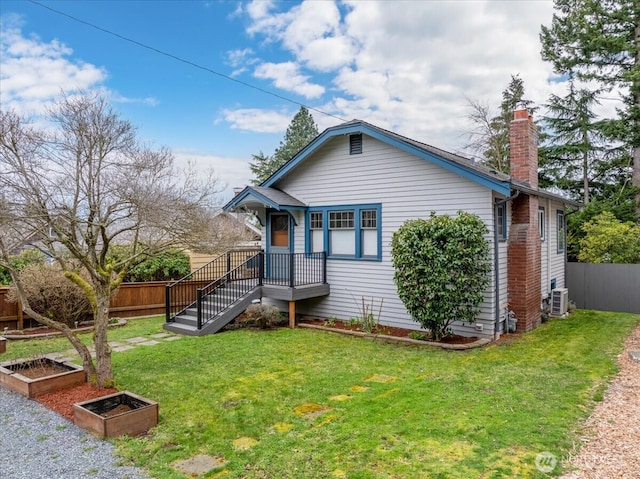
182 293
220 294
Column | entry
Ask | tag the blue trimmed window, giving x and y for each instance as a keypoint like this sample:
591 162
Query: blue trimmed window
560 230
345 232
502 222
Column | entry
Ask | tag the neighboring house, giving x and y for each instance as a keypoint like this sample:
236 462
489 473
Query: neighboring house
346 193
232 230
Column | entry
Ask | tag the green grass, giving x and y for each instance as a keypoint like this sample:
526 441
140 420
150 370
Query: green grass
484 413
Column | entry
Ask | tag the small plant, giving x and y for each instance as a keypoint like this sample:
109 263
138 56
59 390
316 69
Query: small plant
264 316
330 321
354 322
418 335
367 319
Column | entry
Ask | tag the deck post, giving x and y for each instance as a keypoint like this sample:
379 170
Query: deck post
292 314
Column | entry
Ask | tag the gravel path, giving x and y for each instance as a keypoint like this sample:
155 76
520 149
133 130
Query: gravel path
610 448
37 443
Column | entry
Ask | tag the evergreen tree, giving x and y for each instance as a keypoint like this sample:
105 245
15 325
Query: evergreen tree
300 132
576 156
260 167
491 134
598 41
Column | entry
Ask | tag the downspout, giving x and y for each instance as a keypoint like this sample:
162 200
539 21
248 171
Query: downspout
496 262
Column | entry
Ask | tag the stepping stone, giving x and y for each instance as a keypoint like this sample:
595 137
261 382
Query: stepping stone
124 347
359 389
148 343
159 335
136 340
198 465
172 338
115 344
635 355
282 427
65 359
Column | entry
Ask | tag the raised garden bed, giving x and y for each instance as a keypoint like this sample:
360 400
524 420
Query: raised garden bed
3 345
118 414
32 377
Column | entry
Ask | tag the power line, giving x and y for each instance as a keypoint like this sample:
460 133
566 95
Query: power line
182 60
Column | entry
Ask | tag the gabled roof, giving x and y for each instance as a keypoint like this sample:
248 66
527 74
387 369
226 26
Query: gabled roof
270 197
490 178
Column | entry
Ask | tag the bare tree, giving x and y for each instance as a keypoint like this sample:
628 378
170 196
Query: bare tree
79 190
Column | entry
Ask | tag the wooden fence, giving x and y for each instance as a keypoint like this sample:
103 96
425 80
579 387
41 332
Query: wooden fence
131 299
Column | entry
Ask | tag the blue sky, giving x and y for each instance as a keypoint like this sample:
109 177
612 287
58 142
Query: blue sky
407 66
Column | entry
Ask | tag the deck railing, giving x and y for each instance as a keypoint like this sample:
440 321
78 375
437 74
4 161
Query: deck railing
183 293
218 284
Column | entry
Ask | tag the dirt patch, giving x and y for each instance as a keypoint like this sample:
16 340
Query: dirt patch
62 401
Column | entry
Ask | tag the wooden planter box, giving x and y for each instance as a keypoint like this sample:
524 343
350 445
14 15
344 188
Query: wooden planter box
118 414
3 345
62 375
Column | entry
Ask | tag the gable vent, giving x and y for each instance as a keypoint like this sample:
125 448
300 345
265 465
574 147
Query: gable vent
355 144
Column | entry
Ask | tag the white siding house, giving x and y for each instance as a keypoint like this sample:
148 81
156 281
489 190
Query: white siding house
352 187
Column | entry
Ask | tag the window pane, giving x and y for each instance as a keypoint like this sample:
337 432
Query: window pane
341 220
343 242
317 241
368 219
315 222
369 243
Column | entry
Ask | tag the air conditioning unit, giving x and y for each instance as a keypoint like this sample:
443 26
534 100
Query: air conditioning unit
559 301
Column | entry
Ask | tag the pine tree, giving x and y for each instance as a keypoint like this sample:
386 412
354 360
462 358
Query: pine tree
576 158
491 135
599 41
300 132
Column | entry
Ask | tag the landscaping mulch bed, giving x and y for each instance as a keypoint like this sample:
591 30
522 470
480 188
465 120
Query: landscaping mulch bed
62 401
611 442
386 330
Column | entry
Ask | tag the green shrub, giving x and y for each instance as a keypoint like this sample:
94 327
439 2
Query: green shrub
609 240
19 262
441 269
166 266
51 294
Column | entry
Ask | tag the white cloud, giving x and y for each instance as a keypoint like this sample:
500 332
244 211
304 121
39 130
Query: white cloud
407 65
287 76
33 72
230 171
257 120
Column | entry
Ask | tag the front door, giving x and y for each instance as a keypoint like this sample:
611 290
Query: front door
279 246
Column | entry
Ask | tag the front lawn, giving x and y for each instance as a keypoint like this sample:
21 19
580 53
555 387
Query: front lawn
391 411
311 404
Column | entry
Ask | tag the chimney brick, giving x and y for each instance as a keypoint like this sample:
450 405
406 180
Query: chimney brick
523 148
524 249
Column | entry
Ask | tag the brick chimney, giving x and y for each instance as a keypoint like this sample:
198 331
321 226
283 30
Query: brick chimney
524 256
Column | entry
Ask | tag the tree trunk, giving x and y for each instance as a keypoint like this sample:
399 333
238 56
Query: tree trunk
635 88
104 367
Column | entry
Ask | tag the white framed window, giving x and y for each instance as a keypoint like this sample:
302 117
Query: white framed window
369 233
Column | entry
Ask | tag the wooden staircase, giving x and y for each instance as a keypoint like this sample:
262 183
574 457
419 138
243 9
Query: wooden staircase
223 301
